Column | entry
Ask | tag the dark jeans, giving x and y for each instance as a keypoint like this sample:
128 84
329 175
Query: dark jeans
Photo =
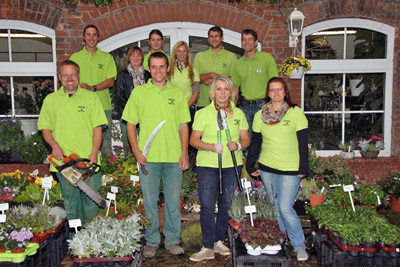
250 108
208 180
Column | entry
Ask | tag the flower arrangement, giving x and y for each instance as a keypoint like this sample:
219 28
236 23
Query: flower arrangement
373 144
19 239
291 63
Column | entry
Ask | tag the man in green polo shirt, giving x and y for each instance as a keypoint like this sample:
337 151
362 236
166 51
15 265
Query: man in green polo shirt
214 62
98 72
148 105
71 121
156 42
252 73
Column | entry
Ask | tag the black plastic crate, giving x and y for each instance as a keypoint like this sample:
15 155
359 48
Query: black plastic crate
331 255
240 257
58 246
316 239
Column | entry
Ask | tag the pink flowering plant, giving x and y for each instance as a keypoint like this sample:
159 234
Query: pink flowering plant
19 239
391 185
373 144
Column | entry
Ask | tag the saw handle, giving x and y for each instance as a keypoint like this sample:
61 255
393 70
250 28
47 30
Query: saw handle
145 172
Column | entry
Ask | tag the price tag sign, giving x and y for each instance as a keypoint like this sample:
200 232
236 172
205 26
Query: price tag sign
378 198
111 196
47 182
2 218
335 185
4 206
323 189
250 209
247 184
348 188
114 189
134 178
35 172
75 223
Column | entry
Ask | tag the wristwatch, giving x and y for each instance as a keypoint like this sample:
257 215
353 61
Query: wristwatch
94 88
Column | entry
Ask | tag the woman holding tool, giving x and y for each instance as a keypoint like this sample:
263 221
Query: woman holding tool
280 130
204 138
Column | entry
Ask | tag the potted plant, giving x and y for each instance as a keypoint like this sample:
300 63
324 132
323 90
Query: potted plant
368 195
3 240
11 137
295 66
346 150
370 147
312 190
17 240
391 186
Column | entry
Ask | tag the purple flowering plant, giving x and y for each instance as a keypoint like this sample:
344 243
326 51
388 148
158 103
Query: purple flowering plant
19 239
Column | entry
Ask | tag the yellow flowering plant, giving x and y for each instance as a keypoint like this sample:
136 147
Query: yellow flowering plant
291 63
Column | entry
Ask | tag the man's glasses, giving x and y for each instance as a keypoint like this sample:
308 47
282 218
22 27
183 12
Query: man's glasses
72 76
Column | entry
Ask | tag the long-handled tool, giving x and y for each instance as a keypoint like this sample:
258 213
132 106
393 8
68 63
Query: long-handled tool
148 143
228 136
77 171
220 126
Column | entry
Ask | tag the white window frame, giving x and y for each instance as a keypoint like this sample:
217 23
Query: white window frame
340 66
27 69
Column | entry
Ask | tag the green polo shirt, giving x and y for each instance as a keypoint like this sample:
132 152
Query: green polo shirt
182 80
205 121
148 106
72 120
280 147
146 60
208 61
253 75
95 69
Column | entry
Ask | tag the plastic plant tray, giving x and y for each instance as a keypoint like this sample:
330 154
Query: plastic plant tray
7 256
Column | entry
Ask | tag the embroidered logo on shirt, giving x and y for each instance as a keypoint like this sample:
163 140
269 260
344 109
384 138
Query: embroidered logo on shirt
81 108
286 122
101 66
224 65
258 70
171 101
236 122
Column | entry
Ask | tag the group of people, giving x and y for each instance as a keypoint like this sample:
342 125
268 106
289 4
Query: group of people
155 88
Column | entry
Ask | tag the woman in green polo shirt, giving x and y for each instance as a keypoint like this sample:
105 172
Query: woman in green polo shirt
204 138
280 131
183 75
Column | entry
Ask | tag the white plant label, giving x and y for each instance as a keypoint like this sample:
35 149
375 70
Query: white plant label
114 189
3 218
75 224
247 184
243 181
47 182
348 188
111 196
335 185
378 198
35 172
4 207
134 179
250 209
323 189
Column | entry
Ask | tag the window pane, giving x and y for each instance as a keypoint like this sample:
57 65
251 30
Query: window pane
327 44
365 44
198 44
324 130
120 55
365 91
362 126
29 93
323 92
30 47
5 96
4 45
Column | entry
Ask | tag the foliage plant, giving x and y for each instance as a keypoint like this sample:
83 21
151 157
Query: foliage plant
338 196
108 237
391 185
33 149
3 238
291 63
308 187
127 192
122 163
345 147
11 135
59 215
18 239
236 210
367 194
330 170
372 144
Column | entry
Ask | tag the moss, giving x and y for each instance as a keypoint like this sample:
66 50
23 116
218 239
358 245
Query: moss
191 235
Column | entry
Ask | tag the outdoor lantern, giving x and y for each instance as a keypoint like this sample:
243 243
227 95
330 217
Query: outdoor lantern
296 21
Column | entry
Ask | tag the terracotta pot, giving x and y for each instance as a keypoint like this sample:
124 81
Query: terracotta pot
395 204
369 154
21 250
316 200
2 250
235 225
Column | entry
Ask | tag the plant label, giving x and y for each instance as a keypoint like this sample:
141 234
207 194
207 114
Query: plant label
335 185
4 207
114 189
250 209
47 182
378 198
134 179
35 172
348 188
111 196
323 189
2 218
247 184
243 181
75 223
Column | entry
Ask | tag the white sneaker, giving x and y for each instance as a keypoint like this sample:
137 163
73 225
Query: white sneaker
301 254
203 254
221 249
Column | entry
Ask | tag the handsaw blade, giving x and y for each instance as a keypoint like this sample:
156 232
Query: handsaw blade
220 122
149 141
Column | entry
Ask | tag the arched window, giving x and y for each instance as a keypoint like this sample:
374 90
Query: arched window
347 95
27 67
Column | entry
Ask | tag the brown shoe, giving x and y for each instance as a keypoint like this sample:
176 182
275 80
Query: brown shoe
175 249
150 251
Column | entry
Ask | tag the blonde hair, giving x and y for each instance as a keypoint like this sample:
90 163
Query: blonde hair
189 61
228 84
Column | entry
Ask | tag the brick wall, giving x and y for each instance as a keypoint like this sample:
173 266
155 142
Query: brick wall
69 20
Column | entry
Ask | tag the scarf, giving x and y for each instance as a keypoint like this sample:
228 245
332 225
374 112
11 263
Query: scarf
180 65
271 117
228 109
137 75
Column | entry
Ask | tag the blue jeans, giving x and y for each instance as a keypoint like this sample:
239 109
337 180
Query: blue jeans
208 180
171 177
249 109
283 189
106 145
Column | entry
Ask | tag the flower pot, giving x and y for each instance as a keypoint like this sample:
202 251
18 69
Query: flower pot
347 155
369 154
395 204
368 245
271 250
253 251
356 91
235 225
2 250
21 250
297 73
316 200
